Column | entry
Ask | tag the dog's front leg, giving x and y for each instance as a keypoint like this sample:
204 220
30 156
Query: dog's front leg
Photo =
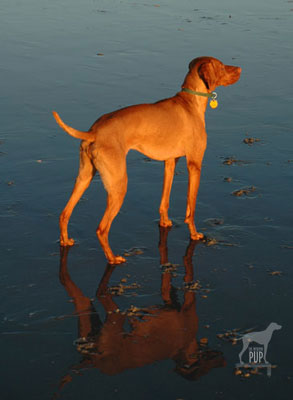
194 170
168 180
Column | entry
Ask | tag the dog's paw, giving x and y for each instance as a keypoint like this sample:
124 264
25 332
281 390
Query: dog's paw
197 236
117 260
166 223
68 242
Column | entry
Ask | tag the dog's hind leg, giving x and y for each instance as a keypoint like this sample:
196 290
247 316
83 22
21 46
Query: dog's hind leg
86 173
114 176
168 180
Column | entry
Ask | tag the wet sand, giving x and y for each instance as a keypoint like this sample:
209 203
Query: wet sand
166 324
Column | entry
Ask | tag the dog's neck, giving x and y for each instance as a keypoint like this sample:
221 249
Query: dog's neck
198 102
194 83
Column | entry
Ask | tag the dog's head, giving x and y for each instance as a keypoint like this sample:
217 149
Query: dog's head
214 73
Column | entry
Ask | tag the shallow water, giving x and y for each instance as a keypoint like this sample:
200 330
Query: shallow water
48 303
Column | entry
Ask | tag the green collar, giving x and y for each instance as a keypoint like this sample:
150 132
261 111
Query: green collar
212 95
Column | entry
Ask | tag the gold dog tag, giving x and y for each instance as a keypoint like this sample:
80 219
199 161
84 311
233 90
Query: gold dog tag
213 103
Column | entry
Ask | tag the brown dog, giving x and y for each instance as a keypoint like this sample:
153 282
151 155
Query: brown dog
164 131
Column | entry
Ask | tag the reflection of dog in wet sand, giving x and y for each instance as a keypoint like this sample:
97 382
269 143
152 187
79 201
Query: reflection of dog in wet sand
126 340
262 338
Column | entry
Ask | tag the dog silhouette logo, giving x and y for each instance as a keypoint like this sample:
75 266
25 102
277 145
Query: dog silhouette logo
262 338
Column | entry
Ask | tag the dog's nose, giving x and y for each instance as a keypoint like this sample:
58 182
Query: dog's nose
231 69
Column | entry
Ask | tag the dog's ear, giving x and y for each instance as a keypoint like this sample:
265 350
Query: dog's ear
192 63
207 73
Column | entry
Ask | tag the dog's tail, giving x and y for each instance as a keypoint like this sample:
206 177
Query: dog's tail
73 132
